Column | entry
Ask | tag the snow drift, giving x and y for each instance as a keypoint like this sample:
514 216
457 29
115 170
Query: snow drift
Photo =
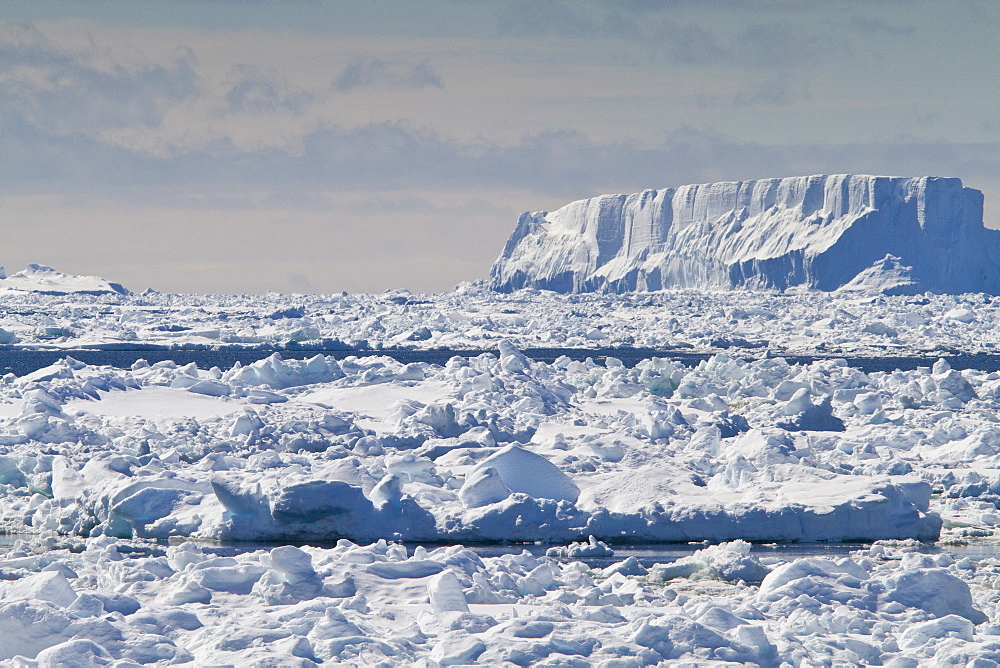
889 234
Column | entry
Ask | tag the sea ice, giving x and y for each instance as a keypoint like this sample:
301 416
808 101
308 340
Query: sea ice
507 448
472 317
358 453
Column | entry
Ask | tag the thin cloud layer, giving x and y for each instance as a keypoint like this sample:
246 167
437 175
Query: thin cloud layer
396 156
62 92
250 89
371 72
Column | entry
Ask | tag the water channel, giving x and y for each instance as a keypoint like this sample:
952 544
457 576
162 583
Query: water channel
22 361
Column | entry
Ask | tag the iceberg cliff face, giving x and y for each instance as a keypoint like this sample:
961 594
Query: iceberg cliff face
899 235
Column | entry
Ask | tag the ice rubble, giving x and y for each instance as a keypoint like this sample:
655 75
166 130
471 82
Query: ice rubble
498 447
105 601
892 234
471 317
495 447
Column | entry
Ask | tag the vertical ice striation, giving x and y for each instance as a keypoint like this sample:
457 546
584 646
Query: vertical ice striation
892 234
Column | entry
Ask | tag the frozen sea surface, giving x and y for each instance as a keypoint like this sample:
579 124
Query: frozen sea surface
298 509
106 601
342 454
845 324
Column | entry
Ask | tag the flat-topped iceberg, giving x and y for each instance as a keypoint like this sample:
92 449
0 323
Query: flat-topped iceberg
888 234
38 278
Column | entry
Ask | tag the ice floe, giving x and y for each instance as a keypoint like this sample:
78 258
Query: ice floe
498 447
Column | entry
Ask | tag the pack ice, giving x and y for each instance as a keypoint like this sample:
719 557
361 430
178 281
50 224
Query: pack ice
471 316
891 234
360 453
496 447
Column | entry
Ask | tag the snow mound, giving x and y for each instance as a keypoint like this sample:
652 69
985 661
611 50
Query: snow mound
46 280
894 234
482 487
524 471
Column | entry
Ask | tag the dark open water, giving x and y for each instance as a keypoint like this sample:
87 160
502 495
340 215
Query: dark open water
21 362
645 554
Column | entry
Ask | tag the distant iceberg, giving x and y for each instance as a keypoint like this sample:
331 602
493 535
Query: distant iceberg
873 233
46 280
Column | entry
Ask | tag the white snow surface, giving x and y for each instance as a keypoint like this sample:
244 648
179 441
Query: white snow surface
495 447
106 601
122 478
97 461
891 234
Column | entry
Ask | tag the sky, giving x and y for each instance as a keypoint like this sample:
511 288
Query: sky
297 146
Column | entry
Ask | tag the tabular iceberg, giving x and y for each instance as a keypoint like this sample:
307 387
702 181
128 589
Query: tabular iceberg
889 234
38 278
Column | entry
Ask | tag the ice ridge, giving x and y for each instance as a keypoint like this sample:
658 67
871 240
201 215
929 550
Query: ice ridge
896 235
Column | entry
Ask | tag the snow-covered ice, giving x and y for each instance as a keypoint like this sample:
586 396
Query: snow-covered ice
493 447
496 447
125 480
37 278
105 601
471 317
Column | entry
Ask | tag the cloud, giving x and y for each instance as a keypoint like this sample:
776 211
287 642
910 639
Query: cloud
779 90
785 45
744 35
391 156
869 25
23 44
693 45
758 45
372 72
85 92
250 89
551 17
